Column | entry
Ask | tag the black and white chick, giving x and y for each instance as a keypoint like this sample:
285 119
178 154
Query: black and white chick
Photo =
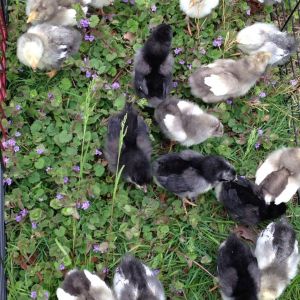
278 258
238 272
188 174
244 203
268 38
185 122
227 78
153 66
46 47
134 280
83 285
136 149
279 176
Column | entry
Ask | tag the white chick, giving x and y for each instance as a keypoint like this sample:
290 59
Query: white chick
185 122
83 285
277 256
133 280
52 12
45 46
279 176
238 273
268 38
197 8
227 78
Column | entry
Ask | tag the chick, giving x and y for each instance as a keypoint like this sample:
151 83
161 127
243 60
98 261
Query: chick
136 150
185 122
227 78
135 281
279 176
244 203
267 38
197 9
153 66
46 46
52 12
83 285
238 273
188 174
277 256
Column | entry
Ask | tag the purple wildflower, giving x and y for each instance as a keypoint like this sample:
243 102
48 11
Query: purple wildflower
33 295
294 82
155 272
66 179
6 160
189 67
76 169
39 151
16 149
248 12
132 2
7 181
46 294
153 8
98 152
262 94
85 205
18 134
177 51
89 38
59 196
218 41
88 74
129 61
96 248
33 225
229 101
175 84
182 62
257 146
115 85
61 267
4 144
50 96
18 218
260 132
85 23
24 212
11 142
18 107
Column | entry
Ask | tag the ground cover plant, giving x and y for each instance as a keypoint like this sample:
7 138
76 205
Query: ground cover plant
64 209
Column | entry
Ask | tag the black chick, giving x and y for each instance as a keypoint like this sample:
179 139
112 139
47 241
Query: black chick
239 276
153 66
136 150
244 202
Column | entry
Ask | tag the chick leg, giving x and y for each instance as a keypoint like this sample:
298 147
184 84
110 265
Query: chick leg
186 202
52 73
188 25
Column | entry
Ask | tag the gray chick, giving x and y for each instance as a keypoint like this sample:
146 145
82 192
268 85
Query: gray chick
185 122
268 38
188 174
227 78
83 285
136 150
46 47
279 176
134 280
277 256
52 12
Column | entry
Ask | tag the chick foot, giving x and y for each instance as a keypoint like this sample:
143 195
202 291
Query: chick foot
52 73
186 202
188 25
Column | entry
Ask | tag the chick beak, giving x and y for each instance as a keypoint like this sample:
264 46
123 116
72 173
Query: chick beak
32 16
145 188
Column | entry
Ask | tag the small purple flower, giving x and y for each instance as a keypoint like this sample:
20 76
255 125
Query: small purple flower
88 74
189 67
129 61
260 132
218 41
24 212
48 169
59 196
155 272
18 218
6 160
33 295
11 142
248 12
85 23
115 85
175 84
153 8
66 179
177 51
132 2
4 144
294 82
229 101
7 181
257 146
33 225
50 96
96 248
18 107
39 151
85 205
18 134
16 149
262 95
202 51
46 294
62 267
89 38
98 152
182 62
76 169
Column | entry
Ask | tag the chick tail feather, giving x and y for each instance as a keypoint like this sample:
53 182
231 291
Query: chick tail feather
131 126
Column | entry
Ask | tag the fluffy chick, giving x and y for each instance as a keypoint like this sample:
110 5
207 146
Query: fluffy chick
188 173
244 203
136 150
153 66
133 280
46 46
279 176
268 38
83 285
227 78
52 12
239 276
185 122
198 8
277 255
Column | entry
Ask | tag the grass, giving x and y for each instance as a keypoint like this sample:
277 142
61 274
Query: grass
69 124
